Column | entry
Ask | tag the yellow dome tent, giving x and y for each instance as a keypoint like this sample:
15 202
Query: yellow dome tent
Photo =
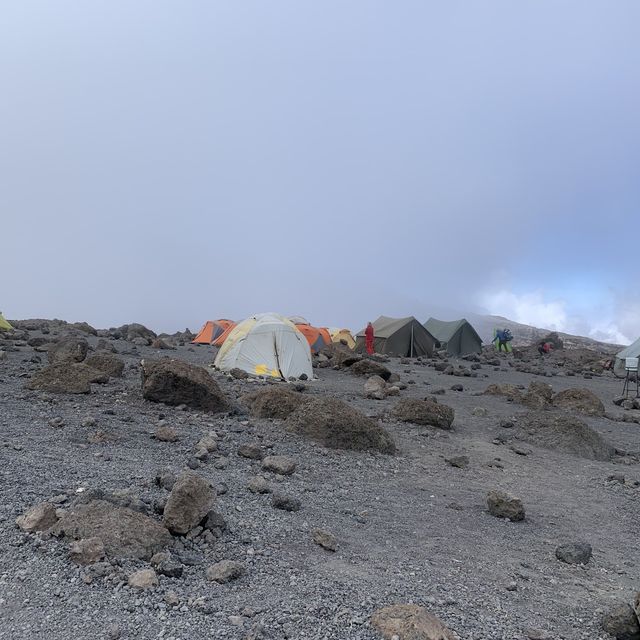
4 325
266 344
342 335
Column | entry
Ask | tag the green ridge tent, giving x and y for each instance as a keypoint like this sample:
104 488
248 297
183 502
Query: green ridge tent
400 337
632 351
458 337
4 325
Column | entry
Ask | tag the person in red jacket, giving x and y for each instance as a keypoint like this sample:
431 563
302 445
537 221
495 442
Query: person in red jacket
368 337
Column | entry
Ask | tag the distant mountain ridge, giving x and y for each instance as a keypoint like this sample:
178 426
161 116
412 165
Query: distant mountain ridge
524 334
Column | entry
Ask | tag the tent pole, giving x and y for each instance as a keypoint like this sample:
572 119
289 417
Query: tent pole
412 339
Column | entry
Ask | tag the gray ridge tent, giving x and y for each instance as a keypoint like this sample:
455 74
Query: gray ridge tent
399 336
458 337
632 351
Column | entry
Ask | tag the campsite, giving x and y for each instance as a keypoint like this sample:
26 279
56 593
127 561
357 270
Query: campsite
316 523
319 320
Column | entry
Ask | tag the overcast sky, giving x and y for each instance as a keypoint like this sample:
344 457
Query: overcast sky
170 162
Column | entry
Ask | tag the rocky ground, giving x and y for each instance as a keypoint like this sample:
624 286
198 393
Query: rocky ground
412 527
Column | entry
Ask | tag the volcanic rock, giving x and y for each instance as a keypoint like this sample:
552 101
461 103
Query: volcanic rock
225 571
274 402
564 433
190 500
621 622
503 505
87 551
107 363
279 464
38 518
174 382
580 400
370 368
66 377
124 532
538 395
68 349
409 622
424 412
143 579
574 552
336 425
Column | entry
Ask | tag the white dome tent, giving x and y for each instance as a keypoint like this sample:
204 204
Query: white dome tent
266 344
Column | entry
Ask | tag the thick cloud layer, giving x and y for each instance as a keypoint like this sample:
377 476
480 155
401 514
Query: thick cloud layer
168 163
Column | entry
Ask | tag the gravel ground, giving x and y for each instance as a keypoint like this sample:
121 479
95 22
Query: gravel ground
410 528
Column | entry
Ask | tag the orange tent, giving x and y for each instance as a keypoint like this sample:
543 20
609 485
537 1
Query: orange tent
316 337
213 331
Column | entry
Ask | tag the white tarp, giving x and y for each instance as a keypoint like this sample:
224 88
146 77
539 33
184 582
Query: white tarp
266 344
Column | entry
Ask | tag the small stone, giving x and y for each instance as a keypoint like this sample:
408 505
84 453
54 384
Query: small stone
325 539
574 552
480 412
258 484
460 462
166 479
281 465
502 505
89 421
285 502
215 521
171 598
208 442
457 387
251 451
225 571
38 518
113 632
170 568
143 579
165 434
56 422
158 558
87 551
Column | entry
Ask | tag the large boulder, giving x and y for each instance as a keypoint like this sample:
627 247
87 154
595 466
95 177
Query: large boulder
107 363
340 355
174 382
339 426
190 500
580 400
273 402
621 622
135 331
124 533
424 412
370 368
538 395
66 377
68 349
85 327
409 622
502 505
564 433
